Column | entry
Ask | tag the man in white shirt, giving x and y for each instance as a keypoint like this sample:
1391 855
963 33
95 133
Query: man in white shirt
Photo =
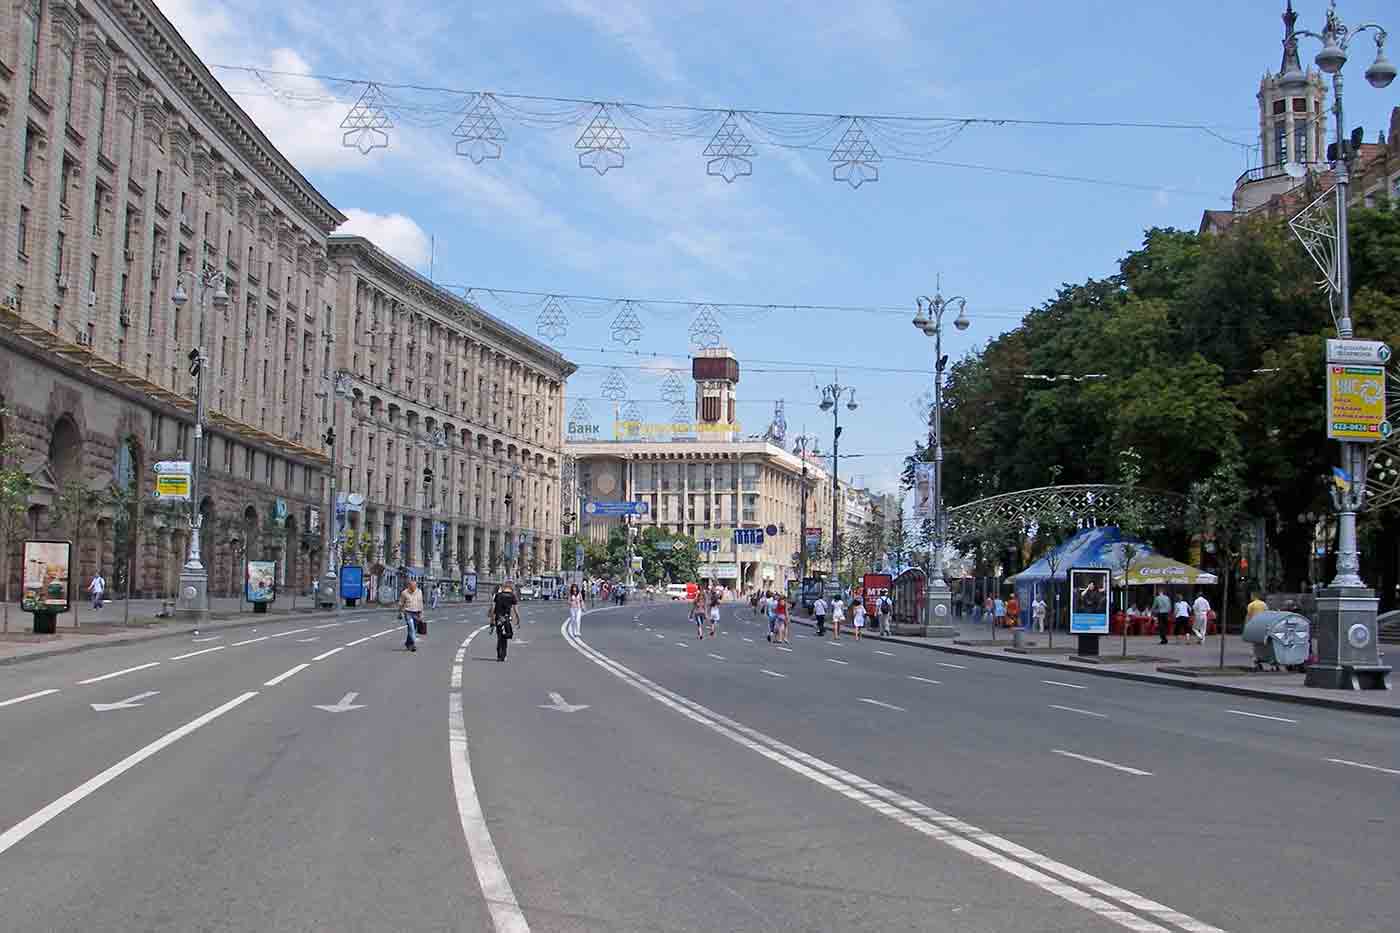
97 587
1182 611
1038 613
1200 617
819 610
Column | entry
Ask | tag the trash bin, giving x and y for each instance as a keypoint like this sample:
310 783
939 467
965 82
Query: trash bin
1280 639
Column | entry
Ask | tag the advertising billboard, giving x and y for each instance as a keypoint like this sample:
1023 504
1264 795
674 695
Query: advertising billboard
48 583
1356 403
1089 603
261 581
352 582
872 587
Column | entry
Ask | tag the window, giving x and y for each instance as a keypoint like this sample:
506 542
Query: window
33 26
184 198
99 195
1300 141
155 432
69 74
92 273
68 169
102 115
59 242
23 231
29 141
160 176
267 471
1280 142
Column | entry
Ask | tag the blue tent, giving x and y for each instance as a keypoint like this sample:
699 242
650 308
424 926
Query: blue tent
1091 547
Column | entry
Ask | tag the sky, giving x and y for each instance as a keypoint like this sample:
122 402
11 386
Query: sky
659 229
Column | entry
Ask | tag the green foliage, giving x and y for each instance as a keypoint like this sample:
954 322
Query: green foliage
667 557
15 489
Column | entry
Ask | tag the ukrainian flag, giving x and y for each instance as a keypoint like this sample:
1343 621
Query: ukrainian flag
1341 479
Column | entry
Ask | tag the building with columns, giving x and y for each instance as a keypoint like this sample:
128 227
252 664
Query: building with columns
432 383
128 168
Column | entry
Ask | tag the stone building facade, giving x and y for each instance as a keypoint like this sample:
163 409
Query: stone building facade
129 169
432 382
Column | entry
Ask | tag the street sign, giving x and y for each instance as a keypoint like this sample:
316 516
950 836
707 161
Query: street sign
606 509
665 545
1356 403
173 479
1365 352
707 545
771 531
748 537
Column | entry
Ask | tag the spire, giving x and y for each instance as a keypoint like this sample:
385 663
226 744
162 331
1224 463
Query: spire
1291 65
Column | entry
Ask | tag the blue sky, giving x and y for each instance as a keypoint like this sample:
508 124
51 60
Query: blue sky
659 227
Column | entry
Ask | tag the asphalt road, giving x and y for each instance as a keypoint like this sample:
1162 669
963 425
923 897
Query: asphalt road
642 779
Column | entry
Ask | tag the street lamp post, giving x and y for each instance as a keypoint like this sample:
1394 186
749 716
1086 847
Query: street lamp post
1346 608
512 546
193 600
831 401
801 449
330 585
929 319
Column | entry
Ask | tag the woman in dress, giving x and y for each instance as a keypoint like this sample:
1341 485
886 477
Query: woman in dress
858 617
575 609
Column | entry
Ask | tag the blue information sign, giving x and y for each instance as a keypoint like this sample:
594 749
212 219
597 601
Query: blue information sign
606 509
352 582
748 536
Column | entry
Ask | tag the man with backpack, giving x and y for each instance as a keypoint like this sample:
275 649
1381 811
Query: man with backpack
505 613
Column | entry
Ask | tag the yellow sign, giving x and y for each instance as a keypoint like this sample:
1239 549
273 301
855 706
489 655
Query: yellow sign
1356 403
632 429
172 486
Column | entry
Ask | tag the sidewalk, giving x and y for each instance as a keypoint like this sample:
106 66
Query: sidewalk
1283 687
96 629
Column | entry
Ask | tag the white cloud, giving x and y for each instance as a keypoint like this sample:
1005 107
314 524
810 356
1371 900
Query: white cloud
396 234
631 24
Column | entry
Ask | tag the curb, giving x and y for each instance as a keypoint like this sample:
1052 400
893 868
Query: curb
1158 679
183 629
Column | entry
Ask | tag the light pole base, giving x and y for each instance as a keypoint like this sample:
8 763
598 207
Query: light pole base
192 603
1345 629
940 613
330 584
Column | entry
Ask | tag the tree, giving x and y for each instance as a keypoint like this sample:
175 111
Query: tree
1131 521
15 489
898 547
1217 505
1054 524
76 510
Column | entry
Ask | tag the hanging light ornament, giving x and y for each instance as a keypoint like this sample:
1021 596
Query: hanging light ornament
480 132
366 122
614 387
627 327
704 327
730 152
601 145
855 157
552 322
672 389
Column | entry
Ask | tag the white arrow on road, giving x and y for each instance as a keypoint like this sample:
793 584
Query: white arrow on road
556 702
128 703
347 702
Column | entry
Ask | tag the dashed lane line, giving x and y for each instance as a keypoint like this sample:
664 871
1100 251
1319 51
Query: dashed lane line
881 703
956 667
717 657
358 641
249 641
1240 712
764 670
924 680
1082 712
888 654
285 674
195 654
27 696
129 670
295 631
1061 683
1363 765
837 661
327 654
1099 761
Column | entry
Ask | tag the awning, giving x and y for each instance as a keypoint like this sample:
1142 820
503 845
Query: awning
1150 569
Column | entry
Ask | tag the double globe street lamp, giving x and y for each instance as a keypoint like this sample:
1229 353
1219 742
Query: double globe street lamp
928 318
193 600
831 401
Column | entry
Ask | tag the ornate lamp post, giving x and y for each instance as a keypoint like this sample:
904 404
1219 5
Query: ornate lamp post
831 401
1346 608
193 600
929 319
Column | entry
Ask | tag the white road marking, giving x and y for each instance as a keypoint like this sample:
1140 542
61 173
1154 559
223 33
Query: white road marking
128 703
1354 764
764 670
327 654
682 644
327 625
347 702
1099 761
27 696
658 635
358 641
888 654
924 680
1240 712
1060 683
206 638
195 654
749 640
717 657
881 703
385 632
956 667
506 915
240 644
1030 866
1082 712
837 661
285 674
782 647
307 641
129 670
556 703
292 632
17 833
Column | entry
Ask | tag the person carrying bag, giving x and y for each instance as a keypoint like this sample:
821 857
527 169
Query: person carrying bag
505 612
411 605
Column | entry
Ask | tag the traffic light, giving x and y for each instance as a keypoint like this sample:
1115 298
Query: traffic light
330 437
427 476
194 362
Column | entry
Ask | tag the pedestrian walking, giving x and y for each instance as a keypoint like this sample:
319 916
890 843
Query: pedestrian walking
858 616
697 613
505 610
1182 612
437 592
411 606
1256 606
770 610
1038 613
575 610
838 615
97 588
1013 612
782 613
819 610
999 612
1162 612
1200 617
715 596
886 610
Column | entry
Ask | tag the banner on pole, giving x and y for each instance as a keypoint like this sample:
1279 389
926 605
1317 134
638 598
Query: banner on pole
923 491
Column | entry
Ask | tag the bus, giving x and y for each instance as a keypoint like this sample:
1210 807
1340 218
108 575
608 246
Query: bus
812 587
